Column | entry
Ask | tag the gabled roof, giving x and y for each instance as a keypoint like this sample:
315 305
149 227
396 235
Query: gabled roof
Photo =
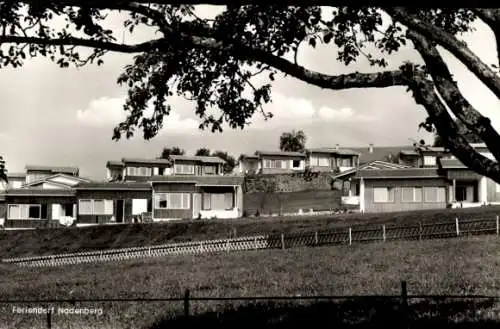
281 153
374 165
113 186
451 164
54 169
199 180
50 179
198 158
403 173
329 150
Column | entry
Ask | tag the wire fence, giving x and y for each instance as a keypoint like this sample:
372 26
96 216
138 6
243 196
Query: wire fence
338 236
403 300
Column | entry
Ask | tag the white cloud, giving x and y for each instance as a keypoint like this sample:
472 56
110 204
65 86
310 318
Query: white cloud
296 111
108 111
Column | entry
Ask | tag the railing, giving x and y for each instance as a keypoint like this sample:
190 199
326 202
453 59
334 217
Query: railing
339 236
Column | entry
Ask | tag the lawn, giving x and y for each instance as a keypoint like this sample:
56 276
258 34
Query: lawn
455 266
64 240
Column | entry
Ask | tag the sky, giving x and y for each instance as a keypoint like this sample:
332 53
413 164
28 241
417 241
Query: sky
65 117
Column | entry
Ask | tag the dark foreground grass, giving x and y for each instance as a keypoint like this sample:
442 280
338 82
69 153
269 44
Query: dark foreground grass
455 266
67 240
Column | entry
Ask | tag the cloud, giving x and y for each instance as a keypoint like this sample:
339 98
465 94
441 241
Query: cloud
289 110
108 111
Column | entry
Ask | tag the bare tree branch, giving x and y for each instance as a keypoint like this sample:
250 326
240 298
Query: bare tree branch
491 17
449 91
448 129
458 48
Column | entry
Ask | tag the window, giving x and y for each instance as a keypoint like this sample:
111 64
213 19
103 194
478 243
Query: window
184 169
25 211
314 161
218 201
143 171
323 161
346 162
429 160
210 169
95 207
280 164
296 163
434 194
172 200
411 194
131 171
383 194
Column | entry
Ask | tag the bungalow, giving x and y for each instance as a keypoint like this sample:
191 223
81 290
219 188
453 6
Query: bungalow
104 202
332 159
181 197
141 170
273 162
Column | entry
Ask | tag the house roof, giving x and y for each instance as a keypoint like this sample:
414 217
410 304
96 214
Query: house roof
199 158
249 156
54 169
49 179
146 161
199 180
330 150
281 153
451 164
40 192
374 165
379 153
114 163
113 186
403 173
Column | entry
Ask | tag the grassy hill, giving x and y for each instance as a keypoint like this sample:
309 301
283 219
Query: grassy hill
66 240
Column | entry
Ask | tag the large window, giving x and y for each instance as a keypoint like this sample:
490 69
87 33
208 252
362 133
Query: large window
345 162
25 211
323 161
95 207
296 164
272 164
184 169
383 194
411 194
172 200
218 201
210 169
138 171
429 160
434 194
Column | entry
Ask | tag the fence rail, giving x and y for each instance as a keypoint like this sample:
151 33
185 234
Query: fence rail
340 236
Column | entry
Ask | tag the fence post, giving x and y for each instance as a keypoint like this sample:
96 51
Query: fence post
404 304
456 225
350 236
498 226
255 242
186 303
49 318
282 241
201 246
383 232
316 238
420 231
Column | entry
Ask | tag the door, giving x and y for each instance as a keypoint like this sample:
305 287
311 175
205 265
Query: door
119 211
196 204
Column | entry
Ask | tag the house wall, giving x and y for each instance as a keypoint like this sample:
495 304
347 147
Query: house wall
398 204
127 195
333 162
492 191
288 164
199 168
160 214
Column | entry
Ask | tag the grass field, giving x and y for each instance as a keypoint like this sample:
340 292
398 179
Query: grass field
65 240
455 266
289 202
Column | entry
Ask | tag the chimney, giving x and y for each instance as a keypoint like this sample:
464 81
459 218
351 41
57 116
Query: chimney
370 148
337 146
